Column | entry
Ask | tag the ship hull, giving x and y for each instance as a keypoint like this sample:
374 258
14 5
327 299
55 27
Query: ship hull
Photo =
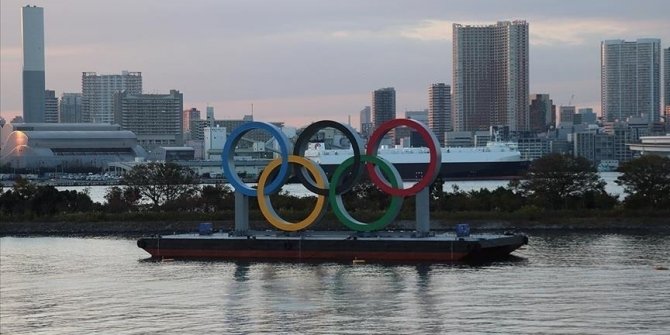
456 171
333 246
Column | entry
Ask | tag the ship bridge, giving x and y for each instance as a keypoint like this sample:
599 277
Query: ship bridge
652 145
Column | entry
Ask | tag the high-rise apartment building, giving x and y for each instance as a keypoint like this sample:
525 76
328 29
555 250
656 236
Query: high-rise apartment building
50 107
190 114
383 109
630 79
383 106
666 83
439 110
98 92
156 119
365 117
542 112
490 78
587 115
210 115
566 116
32 24
415 138
69 109
420 115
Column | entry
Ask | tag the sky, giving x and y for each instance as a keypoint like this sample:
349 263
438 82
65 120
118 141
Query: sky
300 61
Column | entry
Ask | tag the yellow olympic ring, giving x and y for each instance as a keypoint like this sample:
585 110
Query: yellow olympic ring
268 210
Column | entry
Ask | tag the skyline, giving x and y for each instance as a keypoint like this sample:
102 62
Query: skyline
299 62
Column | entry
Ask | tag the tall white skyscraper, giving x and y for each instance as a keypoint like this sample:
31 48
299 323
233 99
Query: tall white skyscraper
666 83
630 79
490 76
32 28
439 110
98 92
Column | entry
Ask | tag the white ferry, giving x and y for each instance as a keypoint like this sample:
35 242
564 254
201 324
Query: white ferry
496 160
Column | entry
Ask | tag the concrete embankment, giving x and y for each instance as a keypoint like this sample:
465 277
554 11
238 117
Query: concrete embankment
138 228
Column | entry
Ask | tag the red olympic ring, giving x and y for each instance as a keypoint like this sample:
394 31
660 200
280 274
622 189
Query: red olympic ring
434 163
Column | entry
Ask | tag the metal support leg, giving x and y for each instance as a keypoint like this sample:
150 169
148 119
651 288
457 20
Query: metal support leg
241 213
423 212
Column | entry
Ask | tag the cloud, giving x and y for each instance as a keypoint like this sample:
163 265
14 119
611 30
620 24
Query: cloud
548 32
11 53
364 34
587 31
75 50
428 30
424 30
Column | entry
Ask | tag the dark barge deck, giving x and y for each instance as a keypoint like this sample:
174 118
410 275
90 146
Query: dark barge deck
333 246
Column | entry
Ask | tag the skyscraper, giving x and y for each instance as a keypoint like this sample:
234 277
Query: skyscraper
630 79
210 115
366 121
587 115
439 110
50 107
383 109
32 23
421 116
490 76
98 92
69 109
666 83
542 112
566 116
383 106
190 114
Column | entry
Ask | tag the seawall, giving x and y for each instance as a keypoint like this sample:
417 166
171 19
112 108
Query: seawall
139 228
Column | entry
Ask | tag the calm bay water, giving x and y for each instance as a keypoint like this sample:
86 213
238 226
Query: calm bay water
561 283
97 193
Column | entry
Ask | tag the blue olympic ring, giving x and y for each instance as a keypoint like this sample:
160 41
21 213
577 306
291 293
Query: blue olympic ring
229 163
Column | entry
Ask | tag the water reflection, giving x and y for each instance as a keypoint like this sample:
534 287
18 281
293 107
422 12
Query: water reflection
560 283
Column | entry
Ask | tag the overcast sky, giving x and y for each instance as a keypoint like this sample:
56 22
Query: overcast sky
302 61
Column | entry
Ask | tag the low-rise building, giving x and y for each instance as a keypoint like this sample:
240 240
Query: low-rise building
68 146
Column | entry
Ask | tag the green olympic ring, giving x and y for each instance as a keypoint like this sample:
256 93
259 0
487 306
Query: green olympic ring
343 215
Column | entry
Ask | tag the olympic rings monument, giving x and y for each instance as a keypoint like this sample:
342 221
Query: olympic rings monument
365 241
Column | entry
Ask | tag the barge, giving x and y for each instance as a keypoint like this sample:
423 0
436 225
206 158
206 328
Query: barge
391 247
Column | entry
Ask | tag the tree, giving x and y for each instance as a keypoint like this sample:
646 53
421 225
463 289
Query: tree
555 181
216 197
162 183
646 181
44 200
122 199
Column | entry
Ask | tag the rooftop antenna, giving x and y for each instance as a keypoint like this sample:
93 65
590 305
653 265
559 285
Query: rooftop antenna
252 110
349 120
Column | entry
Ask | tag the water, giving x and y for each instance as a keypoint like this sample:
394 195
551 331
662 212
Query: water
561 283
97 193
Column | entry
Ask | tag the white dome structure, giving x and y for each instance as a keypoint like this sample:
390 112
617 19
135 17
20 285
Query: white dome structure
69 147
